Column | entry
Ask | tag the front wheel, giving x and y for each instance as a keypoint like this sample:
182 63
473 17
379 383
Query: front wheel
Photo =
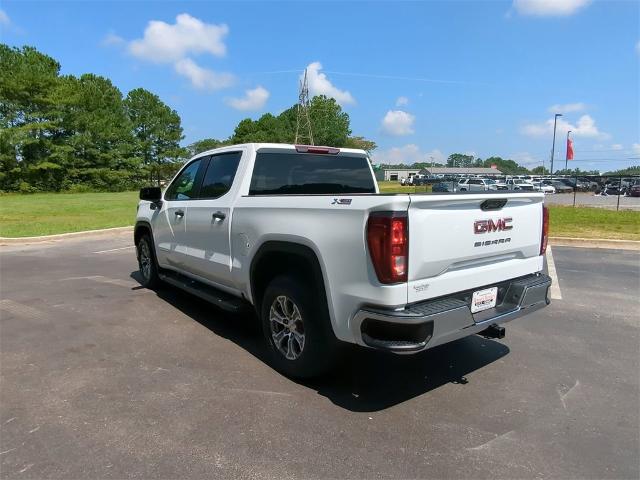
147 262
297 329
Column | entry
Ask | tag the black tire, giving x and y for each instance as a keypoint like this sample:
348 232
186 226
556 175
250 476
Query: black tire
147 262
320 349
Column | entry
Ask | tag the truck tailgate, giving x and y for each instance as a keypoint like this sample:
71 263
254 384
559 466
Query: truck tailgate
460 242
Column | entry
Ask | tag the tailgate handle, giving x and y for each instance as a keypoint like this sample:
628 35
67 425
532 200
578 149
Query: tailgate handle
493 204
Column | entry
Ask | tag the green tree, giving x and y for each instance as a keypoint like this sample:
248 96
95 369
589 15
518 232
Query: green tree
27 78
93 123
540 170
634 170
361 143
508 167
204 145
329 124
459 160
156 128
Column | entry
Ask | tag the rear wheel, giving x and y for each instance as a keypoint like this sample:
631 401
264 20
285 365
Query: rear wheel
147 262
297 329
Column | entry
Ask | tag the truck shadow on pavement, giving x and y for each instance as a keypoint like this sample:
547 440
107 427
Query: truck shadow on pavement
367 380
370 381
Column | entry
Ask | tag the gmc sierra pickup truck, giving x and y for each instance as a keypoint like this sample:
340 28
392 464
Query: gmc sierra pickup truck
302 235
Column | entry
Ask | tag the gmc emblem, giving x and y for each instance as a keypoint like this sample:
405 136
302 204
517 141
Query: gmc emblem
488 226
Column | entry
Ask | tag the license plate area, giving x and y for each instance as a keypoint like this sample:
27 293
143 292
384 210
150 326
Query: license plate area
484 299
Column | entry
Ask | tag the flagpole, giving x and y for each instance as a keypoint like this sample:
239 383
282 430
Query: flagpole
566 157
553 145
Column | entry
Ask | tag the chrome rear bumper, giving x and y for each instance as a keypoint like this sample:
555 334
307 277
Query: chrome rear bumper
434 322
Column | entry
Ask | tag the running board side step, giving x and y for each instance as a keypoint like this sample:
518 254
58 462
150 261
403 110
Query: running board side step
220 299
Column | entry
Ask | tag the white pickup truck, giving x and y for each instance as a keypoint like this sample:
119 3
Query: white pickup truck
302 235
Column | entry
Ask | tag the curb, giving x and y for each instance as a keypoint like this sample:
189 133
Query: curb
595 243
63 236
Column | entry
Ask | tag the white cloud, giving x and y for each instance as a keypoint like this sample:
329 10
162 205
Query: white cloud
585 127
543 8
4 18
253 99
408 154
402 102
567 107
203 78
617 146
112 40
398 123
636 148
319 84
165 43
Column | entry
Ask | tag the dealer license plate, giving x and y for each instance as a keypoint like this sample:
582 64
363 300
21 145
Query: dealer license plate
484 299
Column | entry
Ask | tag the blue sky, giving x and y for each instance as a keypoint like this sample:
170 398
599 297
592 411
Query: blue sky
422 79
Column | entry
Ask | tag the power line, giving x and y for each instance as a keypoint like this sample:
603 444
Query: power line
414 79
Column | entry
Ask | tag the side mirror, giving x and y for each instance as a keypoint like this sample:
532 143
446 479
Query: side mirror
151 194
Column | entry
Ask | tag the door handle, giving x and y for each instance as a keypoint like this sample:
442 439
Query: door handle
218 216
179 213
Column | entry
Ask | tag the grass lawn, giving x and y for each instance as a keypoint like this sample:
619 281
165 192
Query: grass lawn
395 187
49 213
594 223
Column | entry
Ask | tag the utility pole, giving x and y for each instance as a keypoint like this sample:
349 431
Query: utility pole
553 146
304 135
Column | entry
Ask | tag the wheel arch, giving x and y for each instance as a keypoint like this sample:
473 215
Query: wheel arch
277 257
140 229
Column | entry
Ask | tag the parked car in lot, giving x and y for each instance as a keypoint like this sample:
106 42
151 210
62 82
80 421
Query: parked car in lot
477 185
542 187
560 187
634 190
443 187
301 235
613 187
590 185
518 184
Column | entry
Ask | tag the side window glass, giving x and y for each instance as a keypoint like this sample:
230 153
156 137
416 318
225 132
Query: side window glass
183 187
220 174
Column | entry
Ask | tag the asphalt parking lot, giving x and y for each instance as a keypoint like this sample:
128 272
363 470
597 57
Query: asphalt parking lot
588 199
103 379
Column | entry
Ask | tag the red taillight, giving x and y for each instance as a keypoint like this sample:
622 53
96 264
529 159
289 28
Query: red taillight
545 230
314 149
388 241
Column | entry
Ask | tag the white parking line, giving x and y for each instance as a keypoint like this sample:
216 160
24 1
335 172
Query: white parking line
115 249
101 279
556 294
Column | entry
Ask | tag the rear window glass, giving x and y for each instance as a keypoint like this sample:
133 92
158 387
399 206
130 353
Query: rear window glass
285 173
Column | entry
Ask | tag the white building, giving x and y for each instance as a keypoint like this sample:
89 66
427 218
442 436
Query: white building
395 174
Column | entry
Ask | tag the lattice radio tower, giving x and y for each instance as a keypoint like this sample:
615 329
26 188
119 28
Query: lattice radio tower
304 136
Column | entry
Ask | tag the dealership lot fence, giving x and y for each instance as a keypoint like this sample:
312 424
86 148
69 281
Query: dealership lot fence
610 192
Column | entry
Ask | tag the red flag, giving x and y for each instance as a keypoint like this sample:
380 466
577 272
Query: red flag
569 149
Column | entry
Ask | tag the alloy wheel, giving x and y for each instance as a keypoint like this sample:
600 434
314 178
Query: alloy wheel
287 327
